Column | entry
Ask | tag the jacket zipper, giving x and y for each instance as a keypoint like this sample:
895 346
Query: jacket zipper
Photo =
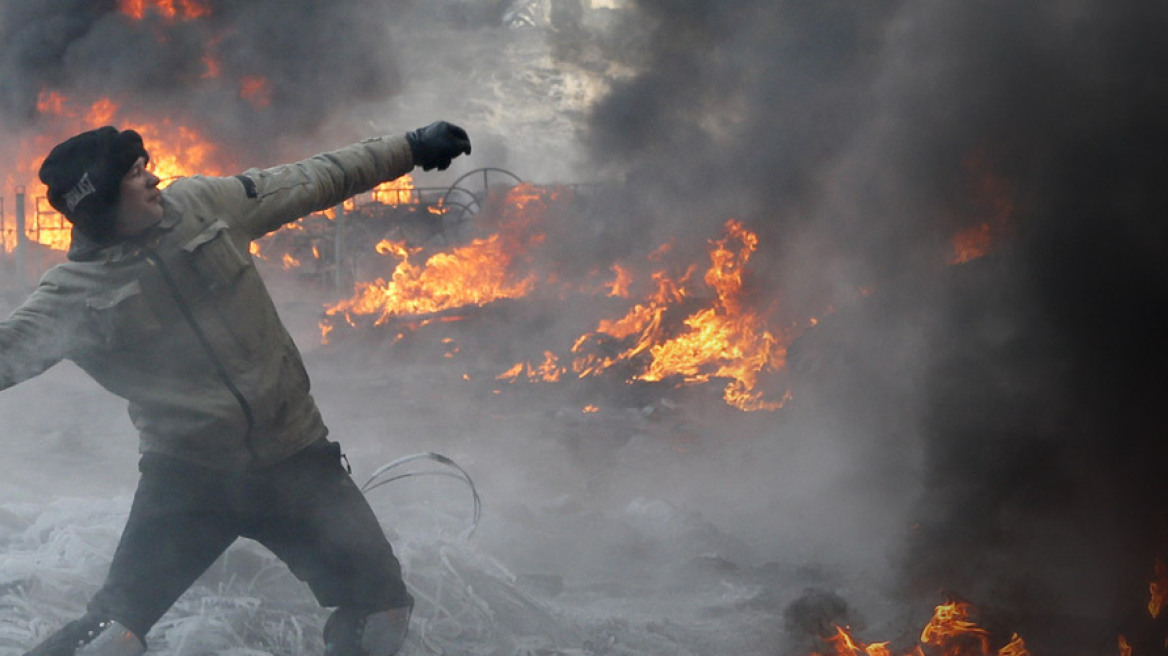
221 370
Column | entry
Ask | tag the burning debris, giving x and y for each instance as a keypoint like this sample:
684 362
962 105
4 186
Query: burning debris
687 331
485 270
690 325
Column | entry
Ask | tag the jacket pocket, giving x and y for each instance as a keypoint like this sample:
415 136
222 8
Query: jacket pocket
295 377
277 179
214 256
122 317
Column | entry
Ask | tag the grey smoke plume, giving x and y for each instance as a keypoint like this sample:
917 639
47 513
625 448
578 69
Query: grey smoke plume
316 58
847 134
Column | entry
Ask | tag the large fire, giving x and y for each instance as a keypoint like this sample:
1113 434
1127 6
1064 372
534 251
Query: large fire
727 339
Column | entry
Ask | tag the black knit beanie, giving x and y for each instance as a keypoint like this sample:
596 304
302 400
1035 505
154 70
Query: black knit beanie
84 176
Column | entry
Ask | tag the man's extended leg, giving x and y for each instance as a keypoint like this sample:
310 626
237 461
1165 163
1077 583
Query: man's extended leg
312 515
179 524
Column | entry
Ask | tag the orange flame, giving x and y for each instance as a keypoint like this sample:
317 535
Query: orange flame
1158 589
952 621
1016 647
395 192
51 102
971 243
845 645
213 67
619 287
171 10
101 112
950 632
471 275
726 340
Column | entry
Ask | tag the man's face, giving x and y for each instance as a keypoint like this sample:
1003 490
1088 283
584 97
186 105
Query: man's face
139 202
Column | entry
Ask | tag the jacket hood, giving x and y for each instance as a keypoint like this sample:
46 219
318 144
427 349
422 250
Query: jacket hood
82 247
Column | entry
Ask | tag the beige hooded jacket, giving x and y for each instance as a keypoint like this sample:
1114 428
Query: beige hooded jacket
181 325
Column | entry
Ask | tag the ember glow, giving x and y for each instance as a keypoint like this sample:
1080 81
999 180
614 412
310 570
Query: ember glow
171 10
993 197
255 90
952 631
1158 589
971 243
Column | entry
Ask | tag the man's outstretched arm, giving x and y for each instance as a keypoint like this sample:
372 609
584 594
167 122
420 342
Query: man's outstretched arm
32 339
265 199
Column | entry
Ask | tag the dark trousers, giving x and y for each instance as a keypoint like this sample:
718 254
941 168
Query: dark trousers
306 510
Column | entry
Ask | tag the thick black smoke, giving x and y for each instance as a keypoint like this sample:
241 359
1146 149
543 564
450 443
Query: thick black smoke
853 136
316 58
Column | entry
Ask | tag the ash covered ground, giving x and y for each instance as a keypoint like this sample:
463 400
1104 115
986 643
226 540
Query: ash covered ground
990 430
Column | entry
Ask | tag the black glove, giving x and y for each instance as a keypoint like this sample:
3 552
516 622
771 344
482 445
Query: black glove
436 144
